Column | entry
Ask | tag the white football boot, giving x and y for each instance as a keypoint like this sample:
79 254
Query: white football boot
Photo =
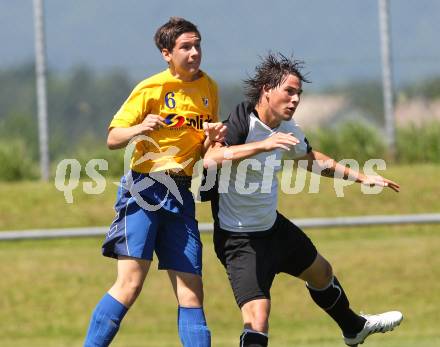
376 323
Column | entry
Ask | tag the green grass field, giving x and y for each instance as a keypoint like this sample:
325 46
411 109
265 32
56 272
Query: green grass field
49 287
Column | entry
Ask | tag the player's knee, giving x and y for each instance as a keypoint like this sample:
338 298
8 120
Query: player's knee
259 322
321 273
323 267
131 287
190 291
191 298
327 272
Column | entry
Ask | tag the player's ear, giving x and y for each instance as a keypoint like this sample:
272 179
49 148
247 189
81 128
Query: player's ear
166 54
266 90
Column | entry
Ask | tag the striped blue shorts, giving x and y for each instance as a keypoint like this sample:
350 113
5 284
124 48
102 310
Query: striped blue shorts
156 213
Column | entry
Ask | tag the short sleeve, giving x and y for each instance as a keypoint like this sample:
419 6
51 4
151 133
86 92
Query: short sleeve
133 110
238 125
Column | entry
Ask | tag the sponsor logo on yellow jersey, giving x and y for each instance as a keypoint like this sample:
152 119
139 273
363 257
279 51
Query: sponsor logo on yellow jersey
174 120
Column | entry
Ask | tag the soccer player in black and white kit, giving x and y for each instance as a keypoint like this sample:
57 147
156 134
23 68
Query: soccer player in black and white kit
252 240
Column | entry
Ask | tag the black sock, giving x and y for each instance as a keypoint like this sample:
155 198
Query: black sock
251 338
333 300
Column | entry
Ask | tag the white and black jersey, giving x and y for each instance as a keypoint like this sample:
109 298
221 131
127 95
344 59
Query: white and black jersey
247 199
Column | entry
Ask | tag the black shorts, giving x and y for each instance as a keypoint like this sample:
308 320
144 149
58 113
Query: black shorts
253 259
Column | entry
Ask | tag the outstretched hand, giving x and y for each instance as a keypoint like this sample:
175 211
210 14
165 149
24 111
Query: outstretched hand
216 132
380 181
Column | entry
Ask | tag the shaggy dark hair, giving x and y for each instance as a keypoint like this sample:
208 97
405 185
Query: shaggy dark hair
166 35
272 72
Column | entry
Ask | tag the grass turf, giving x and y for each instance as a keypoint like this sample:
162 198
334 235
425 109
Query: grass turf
50 287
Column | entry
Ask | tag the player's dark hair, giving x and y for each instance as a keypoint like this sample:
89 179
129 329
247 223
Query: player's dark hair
272 72
167 34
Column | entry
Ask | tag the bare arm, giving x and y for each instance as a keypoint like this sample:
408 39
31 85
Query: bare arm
323 165
219 152
120 137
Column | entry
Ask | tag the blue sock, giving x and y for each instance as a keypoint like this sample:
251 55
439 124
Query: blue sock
193 330
105 322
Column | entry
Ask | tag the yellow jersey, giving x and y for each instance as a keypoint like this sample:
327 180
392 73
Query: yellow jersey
184 106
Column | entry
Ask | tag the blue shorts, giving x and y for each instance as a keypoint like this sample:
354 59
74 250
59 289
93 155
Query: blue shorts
153 216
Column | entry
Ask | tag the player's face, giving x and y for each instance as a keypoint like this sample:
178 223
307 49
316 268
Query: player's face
284 99
185 57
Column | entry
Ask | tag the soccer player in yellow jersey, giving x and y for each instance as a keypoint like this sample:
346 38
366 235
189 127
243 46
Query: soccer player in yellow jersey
172 119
